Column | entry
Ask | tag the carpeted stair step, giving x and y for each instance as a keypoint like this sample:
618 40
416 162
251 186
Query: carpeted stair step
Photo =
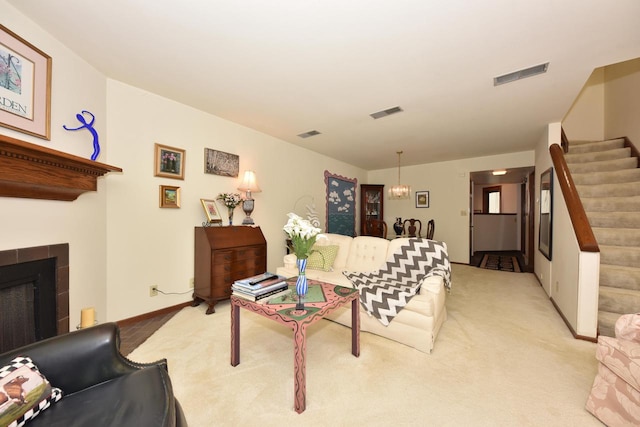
591 146
617 236
607 323
611 204
610 177
603 166
620 276
618 300
628 256
609 190
597 156
614 219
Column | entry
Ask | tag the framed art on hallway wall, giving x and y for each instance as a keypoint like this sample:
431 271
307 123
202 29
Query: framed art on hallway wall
25 86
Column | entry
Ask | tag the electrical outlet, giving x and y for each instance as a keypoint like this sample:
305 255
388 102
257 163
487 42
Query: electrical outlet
153 290
191 282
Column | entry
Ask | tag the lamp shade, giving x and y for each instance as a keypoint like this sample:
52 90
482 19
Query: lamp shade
249 183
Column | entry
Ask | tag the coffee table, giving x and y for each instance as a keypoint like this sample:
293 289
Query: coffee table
323 298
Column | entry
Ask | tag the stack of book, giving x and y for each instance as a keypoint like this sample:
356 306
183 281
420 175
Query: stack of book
260 288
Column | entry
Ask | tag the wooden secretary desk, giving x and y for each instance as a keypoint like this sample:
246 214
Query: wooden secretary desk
223 255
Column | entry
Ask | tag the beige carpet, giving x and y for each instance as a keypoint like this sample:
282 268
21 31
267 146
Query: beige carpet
503 358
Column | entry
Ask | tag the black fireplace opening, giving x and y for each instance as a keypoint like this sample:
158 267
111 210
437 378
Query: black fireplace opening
27 303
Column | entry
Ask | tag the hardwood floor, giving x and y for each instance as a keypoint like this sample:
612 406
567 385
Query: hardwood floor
132 335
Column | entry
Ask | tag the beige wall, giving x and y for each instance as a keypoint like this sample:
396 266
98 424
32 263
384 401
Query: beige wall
449 188
622 100
585 120
120 242
148 245
608 106
82 223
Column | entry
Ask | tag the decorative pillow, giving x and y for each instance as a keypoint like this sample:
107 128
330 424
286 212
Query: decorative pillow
24 392
322 257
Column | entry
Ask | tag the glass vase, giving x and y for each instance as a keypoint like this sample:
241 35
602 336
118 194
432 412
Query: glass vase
301 283
231 215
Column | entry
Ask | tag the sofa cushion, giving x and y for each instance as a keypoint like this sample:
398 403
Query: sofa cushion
367 254
24 392
143 397
343 242
322 257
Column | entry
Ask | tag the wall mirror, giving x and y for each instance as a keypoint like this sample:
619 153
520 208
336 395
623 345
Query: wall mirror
546 212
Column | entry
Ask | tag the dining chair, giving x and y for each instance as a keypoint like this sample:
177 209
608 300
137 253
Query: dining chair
376 228
431 227
412 230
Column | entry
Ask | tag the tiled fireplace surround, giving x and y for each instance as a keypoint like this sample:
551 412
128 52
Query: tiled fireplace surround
61 253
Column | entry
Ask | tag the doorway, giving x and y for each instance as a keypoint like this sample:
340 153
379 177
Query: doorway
509 227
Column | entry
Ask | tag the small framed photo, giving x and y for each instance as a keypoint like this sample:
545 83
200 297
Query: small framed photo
422 199
221 163
25 86
169 196
169 161
211 210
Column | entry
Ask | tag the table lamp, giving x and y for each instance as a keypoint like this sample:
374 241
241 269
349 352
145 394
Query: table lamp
250 186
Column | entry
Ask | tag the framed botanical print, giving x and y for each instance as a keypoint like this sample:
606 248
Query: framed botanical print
169 196
25 86
169 161
211 210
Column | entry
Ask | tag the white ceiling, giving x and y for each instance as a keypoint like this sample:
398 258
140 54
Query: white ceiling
284 67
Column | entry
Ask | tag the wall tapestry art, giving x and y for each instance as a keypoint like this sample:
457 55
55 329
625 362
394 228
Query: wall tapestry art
341 204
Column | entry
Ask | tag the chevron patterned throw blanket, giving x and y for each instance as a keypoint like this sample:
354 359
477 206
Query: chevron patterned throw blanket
385 292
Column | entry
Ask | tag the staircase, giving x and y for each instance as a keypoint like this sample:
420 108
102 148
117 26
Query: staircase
607 178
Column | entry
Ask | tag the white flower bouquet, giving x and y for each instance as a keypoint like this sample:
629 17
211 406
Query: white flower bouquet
302 234
230 200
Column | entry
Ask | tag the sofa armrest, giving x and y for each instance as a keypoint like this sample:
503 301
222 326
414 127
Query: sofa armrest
628 327
79 359
433 284
290 261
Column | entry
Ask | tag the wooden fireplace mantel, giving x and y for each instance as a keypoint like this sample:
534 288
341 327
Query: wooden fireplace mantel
37 172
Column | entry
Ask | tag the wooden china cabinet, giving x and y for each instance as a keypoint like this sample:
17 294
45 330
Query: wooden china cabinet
222 256
371 205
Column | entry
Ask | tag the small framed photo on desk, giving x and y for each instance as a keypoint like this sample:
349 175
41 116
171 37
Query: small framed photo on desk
211 210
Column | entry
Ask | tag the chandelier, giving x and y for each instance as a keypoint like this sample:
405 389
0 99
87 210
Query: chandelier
399 191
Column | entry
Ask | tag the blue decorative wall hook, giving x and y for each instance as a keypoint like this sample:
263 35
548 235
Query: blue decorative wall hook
89 127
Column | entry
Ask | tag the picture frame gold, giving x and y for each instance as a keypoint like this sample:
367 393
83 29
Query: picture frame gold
169 196
422 199
211 211
169 161
26 92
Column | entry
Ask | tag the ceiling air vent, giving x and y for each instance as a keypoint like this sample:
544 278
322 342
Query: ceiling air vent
517 75
309 134
387 112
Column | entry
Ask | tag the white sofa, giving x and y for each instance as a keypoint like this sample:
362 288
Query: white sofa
417 325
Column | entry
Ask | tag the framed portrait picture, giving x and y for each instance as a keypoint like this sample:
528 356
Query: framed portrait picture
169 161
169 196
211 210
221 163
25 86
422 199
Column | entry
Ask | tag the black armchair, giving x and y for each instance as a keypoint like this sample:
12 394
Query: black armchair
100 386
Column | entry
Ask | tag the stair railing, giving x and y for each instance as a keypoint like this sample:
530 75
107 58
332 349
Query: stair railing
581 227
